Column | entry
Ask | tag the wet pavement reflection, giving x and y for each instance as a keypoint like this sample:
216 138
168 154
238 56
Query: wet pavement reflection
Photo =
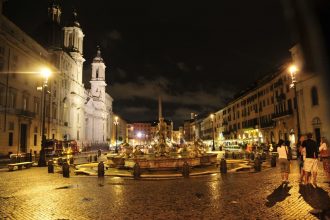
35 194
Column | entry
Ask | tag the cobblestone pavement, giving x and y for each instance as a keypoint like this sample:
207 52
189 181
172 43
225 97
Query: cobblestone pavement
35 194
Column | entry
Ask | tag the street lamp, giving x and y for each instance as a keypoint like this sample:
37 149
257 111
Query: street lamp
212 119
116 122
293 71
45 73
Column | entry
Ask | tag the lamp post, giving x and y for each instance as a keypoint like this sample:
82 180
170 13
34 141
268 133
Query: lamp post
45 73
195 128
116 122
131 134
293 71
212 119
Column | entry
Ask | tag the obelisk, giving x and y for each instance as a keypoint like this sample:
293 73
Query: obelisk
160 114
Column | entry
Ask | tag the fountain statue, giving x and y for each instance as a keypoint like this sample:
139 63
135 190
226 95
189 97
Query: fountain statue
164 154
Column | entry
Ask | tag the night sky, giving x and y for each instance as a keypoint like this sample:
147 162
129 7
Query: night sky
195 54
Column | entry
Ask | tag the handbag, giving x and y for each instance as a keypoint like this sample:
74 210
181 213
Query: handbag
325 153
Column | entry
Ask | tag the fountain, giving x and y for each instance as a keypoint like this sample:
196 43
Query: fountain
163 155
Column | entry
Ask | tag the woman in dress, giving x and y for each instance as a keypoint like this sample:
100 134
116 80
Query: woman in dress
283 161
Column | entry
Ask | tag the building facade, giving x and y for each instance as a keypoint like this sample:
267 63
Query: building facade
69 107
312 100
278 106
21 59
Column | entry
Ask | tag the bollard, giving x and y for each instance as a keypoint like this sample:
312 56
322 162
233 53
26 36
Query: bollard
185 170
273 161
136 171
90 158
100 169
223 166
50 166
95 158
66 170
71 160
257 164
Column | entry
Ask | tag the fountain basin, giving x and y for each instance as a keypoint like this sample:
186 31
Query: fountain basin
162 163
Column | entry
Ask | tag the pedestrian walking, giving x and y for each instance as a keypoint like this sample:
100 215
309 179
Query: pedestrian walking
283 161
325 155
311 161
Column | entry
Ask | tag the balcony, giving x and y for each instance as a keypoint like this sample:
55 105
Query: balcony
226 132
282 114
281 97
269 124
25 114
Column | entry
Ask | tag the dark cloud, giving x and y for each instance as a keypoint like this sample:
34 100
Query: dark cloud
195 54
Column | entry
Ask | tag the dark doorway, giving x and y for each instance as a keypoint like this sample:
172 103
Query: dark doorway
317 135
23 138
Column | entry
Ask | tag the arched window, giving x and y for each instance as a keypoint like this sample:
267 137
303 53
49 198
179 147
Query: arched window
315 98
316 122
97 73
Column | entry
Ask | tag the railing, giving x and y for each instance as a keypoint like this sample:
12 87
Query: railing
267 124
25 113
281 97
19 112
226 132
282 114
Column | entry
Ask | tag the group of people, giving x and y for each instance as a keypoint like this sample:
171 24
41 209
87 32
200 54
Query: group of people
308 156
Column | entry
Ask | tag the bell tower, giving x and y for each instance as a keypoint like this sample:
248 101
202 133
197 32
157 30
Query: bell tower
54 30
54 12
73 43
98 78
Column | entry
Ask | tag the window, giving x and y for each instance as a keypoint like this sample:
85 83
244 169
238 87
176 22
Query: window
315 98
97 73
2 95
25 103
10 138
11 126
2 63
12 99
289 105
36 105
35 139
2 50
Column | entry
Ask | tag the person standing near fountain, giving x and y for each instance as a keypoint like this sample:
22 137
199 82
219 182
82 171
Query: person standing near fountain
310 164
283 161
